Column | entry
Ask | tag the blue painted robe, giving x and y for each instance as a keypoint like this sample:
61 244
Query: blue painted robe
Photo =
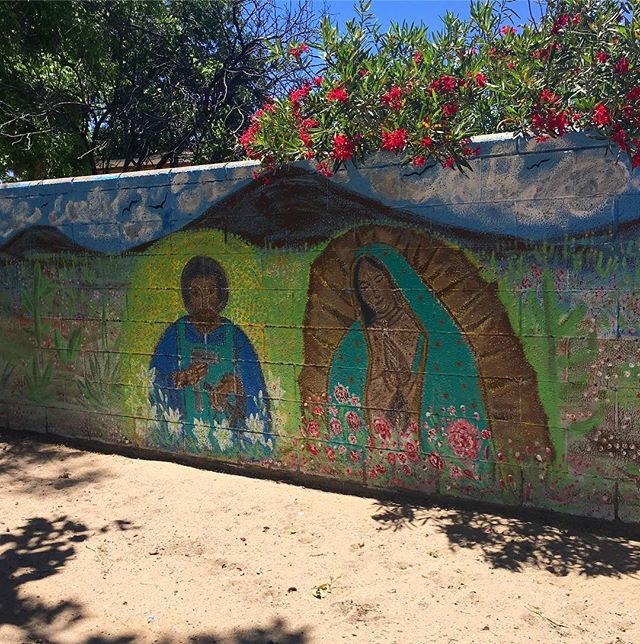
228 351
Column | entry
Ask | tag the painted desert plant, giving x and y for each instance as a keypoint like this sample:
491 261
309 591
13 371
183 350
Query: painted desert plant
423 94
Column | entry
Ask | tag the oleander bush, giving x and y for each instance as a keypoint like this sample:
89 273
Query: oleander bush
423 94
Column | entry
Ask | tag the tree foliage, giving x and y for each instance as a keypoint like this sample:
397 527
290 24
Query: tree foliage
423 94
85 83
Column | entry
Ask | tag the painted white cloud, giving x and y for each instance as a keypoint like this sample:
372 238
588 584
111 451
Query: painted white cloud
193 198
16 214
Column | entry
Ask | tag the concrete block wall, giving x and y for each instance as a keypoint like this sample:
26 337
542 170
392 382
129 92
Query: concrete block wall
461 335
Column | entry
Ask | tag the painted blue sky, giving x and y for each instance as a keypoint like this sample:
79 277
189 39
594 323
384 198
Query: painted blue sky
426 11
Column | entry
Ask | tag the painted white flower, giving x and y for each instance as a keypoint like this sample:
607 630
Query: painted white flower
255 428
222 434
274 385
278 420
201 431
147 377
173 418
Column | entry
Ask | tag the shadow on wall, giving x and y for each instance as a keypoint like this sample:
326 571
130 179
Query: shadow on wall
515 544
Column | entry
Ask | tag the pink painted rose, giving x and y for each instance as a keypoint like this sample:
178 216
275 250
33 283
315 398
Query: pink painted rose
354 455
464 438
353 420
317 410
382 428
335 426
341 393
486 434
331 455
352 439
413 453
436 461
313 448
413 428
391 458
455 472
407 470
313 428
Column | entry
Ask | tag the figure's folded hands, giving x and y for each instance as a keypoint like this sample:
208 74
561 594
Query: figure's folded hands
191 375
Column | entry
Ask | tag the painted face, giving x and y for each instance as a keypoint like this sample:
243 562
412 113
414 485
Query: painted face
204 299
376 287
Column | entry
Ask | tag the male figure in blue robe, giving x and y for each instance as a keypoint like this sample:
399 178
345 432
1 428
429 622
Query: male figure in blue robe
207 371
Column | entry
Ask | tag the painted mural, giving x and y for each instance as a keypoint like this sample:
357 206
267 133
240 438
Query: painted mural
469 336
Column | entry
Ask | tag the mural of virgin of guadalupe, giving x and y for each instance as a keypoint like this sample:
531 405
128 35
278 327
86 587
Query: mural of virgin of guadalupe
416 393
403 391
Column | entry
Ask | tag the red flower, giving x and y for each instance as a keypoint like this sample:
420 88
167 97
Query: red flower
305 137
335 427
317 81
486 434
296 52
562 22
342 147
449 109
318 410
436 461
444 84
412 451
406 470
481 80
508 29
449 162
419 161
323 168
633 94
353 420
427 141
417 57
394 141
313 428
601 115
331 455
382 428
392 99
363 72
463 439
601 57
313 448
354 456
296 95
391 458
622 66
341 393
248 137
338 94
547 96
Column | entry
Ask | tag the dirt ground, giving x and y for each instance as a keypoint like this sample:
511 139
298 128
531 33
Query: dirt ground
100 548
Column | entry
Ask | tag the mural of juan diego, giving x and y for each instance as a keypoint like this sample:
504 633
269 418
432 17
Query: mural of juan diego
207 376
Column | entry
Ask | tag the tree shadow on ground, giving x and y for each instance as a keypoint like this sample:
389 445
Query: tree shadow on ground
37 550
21 459
513 543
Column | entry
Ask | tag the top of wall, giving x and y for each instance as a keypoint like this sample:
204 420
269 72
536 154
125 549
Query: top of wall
518 187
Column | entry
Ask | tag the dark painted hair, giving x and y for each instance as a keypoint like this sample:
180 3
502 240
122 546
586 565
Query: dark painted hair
205 267
368 314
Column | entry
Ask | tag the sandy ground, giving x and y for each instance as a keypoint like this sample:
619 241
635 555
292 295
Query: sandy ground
100 548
